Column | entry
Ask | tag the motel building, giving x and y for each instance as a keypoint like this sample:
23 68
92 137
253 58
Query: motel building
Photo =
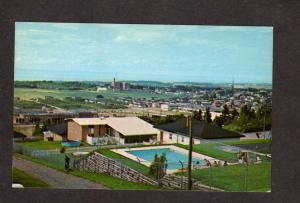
124 130
166 137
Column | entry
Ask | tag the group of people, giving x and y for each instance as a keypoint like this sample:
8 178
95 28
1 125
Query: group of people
215 163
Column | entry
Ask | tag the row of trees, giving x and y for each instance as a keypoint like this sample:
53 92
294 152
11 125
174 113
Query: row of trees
38 130
248 120
63 85
158 167
159 120
207 115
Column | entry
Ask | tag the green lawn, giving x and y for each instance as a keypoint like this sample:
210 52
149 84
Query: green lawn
210 150
250 141
28 93
27 180
106 180
128 162
112 182
46 145
43 144
232 178
26 104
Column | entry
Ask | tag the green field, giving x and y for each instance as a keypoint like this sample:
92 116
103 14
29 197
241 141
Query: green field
232 178
43 144
210 149
128 162
102 178
27 180
252 141
112 182
28 93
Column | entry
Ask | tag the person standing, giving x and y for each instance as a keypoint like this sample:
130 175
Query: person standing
67 163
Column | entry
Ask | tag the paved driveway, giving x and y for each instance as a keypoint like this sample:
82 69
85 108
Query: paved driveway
53 177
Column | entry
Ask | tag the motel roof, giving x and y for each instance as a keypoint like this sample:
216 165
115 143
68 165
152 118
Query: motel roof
60 129
200 129
128 126
90 121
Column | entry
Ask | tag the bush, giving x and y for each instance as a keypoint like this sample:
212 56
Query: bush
158 167
63 149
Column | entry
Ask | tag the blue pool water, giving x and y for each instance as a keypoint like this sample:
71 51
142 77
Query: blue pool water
71 143
172 156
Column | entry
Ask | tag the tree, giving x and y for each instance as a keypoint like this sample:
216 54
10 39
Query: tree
44 127
225 113
37 130
207 115
219 121
234 114
198 115
158 167
62 149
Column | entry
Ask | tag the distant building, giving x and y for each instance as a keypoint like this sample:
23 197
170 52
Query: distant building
33 116
168 107
113 84
123 85
56 132
119 85
99 89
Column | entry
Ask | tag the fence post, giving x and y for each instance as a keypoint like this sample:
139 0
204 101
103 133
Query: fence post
181 174
246 178
210 176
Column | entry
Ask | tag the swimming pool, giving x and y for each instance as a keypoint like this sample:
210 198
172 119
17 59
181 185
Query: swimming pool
72 143
173 157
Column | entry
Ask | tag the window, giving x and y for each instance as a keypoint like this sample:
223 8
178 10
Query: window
170 136
182 139
91 130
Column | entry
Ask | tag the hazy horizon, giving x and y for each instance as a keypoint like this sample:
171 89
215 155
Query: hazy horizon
109 81
163 53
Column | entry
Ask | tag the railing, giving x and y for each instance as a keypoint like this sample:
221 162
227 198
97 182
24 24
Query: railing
99 163
105 140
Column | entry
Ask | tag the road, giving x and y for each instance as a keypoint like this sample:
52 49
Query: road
54 178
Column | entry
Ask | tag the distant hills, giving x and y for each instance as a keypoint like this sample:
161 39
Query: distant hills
89 84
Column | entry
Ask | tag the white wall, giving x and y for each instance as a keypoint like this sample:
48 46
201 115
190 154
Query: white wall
176 138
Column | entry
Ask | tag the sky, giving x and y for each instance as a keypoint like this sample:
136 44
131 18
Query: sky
167 53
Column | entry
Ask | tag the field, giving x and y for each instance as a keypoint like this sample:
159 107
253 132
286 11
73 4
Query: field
43 144
106 180
112 182
133 164
229 178
27 180
28 93
233 178
210 150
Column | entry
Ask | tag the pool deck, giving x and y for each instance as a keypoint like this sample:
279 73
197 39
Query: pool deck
124 152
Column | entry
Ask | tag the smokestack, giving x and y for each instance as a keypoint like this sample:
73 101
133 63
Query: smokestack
113 83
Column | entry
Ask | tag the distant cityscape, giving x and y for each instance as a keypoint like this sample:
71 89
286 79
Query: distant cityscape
160 98
191 97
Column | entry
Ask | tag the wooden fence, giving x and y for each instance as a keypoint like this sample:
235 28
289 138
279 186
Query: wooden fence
178 182
99 163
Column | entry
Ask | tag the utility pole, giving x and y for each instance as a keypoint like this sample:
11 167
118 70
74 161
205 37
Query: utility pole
190 154
264 122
